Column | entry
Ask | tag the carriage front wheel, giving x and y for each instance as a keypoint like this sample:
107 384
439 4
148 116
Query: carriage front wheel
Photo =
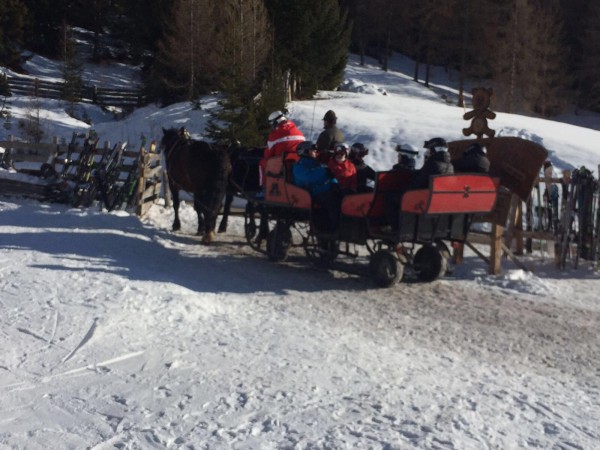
429 263
385 268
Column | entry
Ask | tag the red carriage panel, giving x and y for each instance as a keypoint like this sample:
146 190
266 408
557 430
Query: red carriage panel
357 205
450 194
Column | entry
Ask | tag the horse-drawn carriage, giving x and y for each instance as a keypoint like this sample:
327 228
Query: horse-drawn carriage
429 218
287 217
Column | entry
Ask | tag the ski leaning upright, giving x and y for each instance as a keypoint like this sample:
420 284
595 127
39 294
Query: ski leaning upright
567 226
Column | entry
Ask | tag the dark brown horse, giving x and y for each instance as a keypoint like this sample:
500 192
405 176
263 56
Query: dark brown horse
200 168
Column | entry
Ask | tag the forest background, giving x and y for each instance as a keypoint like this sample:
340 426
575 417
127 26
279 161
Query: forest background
541 57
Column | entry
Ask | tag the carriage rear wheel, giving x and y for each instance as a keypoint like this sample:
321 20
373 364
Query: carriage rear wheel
429 263
385 268
279 242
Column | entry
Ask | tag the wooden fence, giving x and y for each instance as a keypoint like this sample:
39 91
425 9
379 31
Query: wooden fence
139 170
89 93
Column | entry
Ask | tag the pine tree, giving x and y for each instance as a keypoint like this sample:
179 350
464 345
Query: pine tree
507 41
544 81
44 25
72 69
187 62
12 23
243 40
311 44
588 74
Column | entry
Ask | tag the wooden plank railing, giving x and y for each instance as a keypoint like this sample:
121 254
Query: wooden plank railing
90 93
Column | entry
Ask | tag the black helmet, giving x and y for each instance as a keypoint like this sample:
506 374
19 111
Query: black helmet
303 148
437 144
330 116
341 149
358 151
475 149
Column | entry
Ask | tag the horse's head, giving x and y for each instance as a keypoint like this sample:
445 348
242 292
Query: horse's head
169 139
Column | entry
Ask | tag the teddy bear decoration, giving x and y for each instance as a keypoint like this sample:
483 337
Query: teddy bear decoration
480 114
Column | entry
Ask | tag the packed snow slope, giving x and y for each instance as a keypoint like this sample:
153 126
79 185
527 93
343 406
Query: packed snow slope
118 333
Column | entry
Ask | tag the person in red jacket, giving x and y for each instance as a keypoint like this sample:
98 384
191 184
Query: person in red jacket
343 169
284 138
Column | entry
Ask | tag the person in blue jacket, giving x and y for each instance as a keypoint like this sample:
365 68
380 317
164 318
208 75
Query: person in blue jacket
311 175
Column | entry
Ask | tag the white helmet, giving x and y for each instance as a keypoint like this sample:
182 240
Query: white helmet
276 117
407 149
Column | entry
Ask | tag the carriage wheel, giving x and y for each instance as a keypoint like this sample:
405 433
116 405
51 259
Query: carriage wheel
447 255
429 263
279 242
385 268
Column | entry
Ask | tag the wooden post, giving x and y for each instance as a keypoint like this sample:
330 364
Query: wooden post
496 249
519 244
141 184
512 219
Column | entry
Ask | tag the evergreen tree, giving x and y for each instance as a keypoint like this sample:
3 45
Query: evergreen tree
312 38
588 75
544 80
44 25
72 69
187 62
243 38
12 23
145 25
507 41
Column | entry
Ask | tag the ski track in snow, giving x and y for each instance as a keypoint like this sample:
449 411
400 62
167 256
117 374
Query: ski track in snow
216 348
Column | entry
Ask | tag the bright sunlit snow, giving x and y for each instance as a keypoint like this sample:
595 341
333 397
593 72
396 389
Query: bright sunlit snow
117 333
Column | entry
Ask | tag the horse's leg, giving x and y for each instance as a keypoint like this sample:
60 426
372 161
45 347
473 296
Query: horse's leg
212 202
175 198
201 213
226 211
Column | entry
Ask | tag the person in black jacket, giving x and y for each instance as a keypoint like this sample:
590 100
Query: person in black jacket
474 159
437 162
407 154
364 173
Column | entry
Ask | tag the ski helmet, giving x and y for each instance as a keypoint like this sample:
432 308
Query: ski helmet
436 144
476 149
358 151
407 149
304 148
341 149
276 117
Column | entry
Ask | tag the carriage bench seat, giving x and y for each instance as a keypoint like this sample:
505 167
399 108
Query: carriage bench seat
357 205
453 194
279 189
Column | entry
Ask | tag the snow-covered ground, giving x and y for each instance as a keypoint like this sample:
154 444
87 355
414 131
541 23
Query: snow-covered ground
117 333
